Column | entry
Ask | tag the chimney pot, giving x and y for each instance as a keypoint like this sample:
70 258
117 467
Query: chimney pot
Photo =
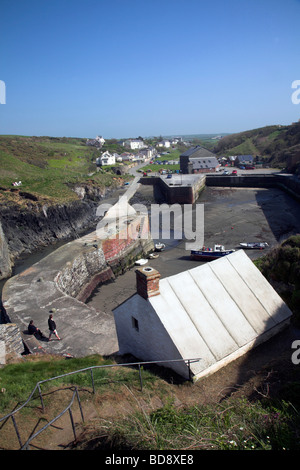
147 282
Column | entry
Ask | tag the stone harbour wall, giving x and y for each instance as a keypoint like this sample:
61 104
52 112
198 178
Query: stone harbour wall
10 342
64 280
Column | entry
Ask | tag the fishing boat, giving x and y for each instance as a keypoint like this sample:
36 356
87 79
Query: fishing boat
254 246
210 253
153 255
160 246
141 261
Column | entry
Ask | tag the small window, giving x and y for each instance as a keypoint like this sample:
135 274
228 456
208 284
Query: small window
135 323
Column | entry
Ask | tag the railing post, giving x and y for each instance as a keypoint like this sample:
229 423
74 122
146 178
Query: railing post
79 403
41 397
72 422
141 380
92 381
190 372
16 429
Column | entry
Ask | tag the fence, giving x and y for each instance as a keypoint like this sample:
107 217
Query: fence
11 415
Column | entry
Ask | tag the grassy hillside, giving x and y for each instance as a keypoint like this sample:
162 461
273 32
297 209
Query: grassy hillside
48 167
166 415
277 145
282 268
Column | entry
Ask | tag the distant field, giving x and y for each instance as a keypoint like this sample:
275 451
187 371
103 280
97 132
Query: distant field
168 155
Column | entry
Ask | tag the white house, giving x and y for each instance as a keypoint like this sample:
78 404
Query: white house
106 159
100 139
215 312
164 143
97 142
134 144
148 152
127 157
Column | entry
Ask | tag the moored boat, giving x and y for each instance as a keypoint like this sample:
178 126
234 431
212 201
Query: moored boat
254 246
141 262
160 246
210 253
153 255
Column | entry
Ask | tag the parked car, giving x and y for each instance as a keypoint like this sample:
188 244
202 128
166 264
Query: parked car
242 167
234 172
169 176
226 172
250 167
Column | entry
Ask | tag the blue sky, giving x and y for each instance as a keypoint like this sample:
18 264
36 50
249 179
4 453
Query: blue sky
129 68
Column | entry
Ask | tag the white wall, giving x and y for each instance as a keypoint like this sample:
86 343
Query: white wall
151 342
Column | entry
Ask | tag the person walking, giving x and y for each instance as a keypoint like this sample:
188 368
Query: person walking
52 327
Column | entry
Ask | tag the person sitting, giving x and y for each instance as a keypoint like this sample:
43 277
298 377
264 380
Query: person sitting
33 330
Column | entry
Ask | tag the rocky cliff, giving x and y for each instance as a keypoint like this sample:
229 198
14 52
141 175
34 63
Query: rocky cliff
27 227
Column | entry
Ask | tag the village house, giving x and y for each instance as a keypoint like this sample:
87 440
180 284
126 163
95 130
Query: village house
134 144
127 157
196 154
106 159
176 140
205 165
147 153
97 142
244 160
215 312
164 143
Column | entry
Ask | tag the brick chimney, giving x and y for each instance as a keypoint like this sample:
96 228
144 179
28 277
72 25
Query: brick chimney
147 282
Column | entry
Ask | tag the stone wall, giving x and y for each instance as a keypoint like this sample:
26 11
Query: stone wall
177 194
64 280
78 271
11 343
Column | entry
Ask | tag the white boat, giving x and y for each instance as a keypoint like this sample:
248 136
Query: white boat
209 254
254 246
153 255
160 246
141 262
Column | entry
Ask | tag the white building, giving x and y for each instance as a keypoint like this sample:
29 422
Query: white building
147 153
127 157
97 142
100 140
164 143
106 159
216 312
134 144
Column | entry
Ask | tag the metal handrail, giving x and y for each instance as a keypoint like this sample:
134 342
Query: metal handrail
91 368
68 408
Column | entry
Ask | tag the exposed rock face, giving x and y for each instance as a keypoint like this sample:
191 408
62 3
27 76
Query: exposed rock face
23 231
5 259
27 227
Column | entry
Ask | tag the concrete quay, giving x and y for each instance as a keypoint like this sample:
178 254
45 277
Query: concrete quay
185 189
64 280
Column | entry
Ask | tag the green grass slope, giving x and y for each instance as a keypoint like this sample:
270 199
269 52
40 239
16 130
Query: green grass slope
48 167
277 145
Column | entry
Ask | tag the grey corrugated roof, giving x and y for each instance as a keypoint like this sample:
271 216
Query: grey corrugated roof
200 151
218 310
205 162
